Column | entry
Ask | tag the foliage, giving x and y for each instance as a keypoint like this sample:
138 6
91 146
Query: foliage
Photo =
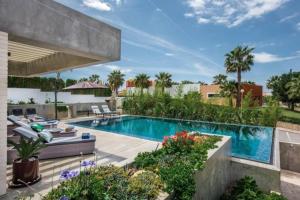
293 88
278 86
163 80
248 101
115 80
43 83
62 108
142 81
247 189
219 79
229 90
31 101
145 185
192 108
27 148
187 82
290 116
94 78
176 163
70 82
108 182
237 61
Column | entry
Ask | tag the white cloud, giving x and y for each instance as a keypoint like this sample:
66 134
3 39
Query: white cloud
188 15
124 70
169 54
205 70
118 2
231 13
289 17
97 4
264 57
298 26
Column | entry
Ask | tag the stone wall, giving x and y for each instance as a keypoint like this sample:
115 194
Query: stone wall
3 108
290 156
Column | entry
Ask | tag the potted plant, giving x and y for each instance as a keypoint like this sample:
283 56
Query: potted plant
26 166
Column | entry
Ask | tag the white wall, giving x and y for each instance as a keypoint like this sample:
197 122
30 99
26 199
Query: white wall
3 108
173 91
24 94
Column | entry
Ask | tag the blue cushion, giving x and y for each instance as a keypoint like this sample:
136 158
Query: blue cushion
46 135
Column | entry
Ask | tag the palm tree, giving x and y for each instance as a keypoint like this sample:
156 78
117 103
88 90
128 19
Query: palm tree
293 90
237 61
115 80
163 80
94 78
142 81
219 79
229 89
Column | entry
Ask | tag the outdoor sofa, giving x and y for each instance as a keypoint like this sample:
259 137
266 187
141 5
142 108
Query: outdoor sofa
18 122
57 148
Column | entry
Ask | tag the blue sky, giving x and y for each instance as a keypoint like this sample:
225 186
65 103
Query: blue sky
189 38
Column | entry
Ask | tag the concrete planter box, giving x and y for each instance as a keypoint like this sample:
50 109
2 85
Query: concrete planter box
212 181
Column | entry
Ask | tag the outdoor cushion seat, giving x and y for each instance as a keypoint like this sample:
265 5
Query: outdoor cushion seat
56 132
58 147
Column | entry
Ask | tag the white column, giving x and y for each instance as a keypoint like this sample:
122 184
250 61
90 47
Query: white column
3 109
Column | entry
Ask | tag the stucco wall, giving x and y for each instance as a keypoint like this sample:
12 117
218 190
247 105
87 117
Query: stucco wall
3 108
23 94
213 180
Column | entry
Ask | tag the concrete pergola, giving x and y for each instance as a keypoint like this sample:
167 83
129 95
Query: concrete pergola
43 36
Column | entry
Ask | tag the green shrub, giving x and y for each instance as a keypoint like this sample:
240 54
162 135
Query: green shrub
247 189
191 107
177 162
108 182
145 185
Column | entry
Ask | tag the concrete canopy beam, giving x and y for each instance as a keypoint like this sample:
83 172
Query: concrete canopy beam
51 25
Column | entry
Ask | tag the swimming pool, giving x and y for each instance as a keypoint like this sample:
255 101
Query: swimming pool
248 142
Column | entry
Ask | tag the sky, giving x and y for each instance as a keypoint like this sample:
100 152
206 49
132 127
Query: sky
189 38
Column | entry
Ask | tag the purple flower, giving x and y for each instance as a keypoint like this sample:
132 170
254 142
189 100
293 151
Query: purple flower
63 198
67 174
88 163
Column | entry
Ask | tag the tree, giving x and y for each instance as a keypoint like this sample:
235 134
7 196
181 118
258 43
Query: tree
115 80
142 81
70 82
293 90
94 78
187 82
163 80
280 86
83 80
237 61
202 83
219 79
229 89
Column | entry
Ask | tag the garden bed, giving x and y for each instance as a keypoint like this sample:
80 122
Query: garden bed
172 169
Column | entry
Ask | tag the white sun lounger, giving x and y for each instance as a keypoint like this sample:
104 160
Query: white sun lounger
58 147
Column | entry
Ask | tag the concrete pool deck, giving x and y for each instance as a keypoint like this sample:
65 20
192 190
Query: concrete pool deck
110 149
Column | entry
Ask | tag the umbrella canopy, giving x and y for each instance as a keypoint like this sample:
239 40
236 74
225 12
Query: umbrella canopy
85 85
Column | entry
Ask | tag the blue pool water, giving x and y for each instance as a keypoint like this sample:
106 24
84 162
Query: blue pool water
249 142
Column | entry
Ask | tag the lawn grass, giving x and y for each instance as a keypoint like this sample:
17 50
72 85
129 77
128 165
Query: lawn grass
290 116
